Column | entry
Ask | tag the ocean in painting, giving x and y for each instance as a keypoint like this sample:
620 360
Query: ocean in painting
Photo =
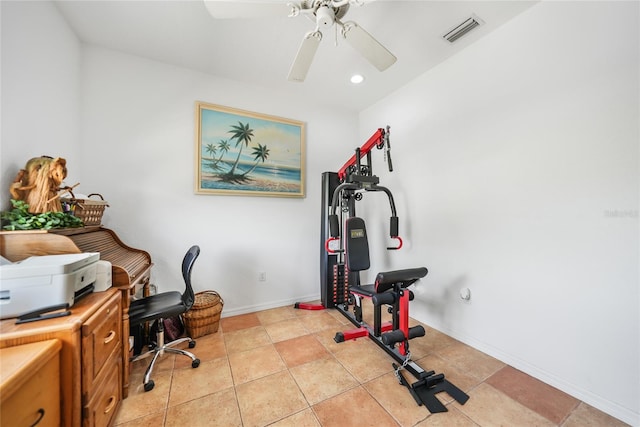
267 178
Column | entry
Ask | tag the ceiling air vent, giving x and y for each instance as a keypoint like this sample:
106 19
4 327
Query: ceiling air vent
461 29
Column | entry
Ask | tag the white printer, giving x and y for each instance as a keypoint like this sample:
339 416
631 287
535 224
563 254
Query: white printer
40 282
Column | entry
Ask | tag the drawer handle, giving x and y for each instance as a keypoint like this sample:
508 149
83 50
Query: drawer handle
40 417
112 403
110 337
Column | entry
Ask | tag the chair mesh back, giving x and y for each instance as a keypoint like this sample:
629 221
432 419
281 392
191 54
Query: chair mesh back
188 297
356 245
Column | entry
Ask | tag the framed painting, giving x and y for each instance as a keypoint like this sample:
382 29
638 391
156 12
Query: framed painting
244 153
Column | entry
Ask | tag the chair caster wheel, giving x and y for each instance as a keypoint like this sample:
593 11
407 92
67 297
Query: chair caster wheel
149 386
192 344
195 363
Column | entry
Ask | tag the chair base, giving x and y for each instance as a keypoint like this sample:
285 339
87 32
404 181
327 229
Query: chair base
158 351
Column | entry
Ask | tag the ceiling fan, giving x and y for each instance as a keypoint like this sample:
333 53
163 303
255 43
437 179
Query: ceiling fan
324 13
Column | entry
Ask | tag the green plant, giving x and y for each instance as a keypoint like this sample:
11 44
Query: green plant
19 218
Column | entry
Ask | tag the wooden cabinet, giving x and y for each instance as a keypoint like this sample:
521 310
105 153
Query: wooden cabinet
101 408
23 371
101 364
91 357
131 268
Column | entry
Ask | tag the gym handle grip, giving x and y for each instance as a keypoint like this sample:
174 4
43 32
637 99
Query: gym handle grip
399 239
326 245
393 226
334 225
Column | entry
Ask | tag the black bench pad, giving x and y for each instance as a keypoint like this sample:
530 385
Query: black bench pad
364 290
386 280
406 277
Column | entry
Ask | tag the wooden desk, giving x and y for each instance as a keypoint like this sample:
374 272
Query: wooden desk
91 358
131 268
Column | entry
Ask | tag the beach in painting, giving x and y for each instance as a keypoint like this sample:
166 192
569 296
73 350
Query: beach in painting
262 178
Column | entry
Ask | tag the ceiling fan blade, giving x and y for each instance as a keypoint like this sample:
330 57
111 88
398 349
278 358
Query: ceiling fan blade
368 47
306 52
229 9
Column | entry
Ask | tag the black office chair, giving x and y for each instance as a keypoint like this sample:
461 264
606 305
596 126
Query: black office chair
162 306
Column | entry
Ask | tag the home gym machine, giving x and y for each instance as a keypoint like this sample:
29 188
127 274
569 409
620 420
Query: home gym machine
344 253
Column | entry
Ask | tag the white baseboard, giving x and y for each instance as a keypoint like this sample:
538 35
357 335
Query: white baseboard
268 305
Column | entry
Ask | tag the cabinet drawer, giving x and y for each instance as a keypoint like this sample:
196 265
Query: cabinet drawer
103 405
101 336
26 401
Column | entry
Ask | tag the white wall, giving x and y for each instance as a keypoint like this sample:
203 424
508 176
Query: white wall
517 177
40 91
138 141
126 126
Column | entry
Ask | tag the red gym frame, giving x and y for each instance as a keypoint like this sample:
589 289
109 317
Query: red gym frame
340 285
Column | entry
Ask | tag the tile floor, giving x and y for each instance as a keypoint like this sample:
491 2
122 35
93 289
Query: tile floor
281 367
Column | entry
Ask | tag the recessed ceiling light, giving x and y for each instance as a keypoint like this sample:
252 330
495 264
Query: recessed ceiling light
357 79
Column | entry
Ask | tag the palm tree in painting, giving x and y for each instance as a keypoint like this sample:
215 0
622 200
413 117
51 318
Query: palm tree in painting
241 133
261 152
211 150
223 146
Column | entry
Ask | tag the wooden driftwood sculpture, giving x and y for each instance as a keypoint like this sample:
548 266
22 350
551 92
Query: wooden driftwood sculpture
38 184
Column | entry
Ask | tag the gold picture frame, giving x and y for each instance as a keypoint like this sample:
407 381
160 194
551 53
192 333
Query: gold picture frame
245 153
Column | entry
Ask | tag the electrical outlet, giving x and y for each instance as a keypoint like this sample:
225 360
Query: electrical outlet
262 276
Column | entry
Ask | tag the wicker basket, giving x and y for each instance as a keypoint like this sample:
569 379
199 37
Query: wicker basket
89 211
204 316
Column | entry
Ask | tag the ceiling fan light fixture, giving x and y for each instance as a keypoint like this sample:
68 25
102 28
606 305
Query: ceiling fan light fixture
325 17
